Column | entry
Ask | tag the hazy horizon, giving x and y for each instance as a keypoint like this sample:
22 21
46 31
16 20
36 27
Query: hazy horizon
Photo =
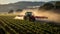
14 1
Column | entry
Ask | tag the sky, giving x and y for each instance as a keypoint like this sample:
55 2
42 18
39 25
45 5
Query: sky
13 1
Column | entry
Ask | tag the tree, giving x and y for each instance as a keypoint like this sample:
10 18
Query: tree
18 10
11 11
47 6
57 4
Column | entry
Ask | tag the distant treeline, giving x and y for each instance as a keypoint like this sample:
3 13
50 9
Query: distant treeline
49 6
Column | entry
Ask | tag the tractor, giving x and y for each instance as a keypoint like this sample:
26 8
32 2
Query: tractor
29 16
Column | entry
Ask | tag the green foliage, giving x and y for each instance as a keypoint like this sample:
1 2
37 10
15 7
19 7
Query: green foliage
57 4
15 26
11 11
19 10
47 6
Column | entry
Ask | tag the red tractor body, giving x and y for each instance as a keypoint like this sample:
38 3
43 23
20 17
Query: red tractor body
30 17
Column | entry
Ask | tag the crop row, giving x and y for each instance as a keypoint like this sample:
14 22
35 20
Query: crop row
8 25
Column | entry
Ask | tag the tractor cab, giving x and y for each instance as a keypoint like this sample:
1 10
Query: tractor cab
29 16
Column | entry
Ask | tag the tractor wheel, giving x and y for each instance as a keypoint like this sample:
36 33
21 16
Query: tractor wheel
26 18
32 19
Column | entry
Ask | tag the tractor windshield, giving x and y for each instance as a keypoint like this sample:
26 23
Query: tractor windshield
28 13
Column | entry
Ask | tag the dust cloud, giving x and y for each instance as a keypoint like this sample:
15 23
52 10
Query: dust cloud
51 15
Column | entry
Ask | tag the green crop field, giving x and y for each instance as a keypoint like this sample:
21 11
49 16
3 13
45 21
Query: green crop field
8 25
